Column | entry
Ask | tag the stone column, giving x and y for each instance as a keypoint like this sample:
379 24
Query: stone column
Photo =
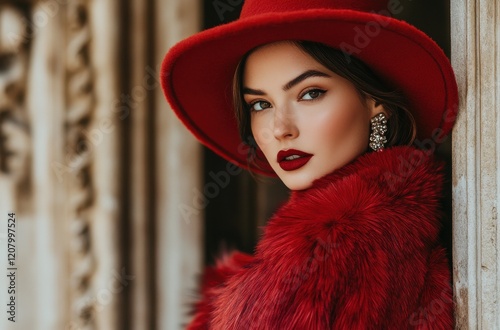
476 163
45 101
178 168
110 277
138 101
92 168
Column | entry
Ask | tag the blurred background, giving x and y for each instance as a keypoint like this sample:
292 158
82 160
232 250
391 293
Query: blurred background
117 207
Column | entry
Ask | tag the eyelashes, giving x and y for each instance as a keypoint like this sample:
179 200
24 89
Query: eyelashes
309 95
260 104
313 94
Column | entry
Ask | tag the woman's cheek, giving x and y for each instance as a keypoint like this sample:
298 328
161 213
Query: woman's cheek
263 136
261 132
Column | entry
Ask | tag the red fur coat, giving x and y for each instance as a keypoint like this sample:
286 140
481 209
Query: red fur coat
358 250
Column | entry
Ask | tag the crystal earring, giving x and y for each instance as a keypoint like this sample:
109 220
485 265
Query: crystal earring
378 128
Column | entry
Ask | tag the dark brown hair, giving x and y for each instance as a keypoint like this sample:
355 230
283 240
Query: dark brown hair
401 124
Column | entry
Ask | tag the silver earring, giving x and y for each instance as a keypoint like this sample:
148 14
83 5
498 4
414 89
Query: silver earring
379 128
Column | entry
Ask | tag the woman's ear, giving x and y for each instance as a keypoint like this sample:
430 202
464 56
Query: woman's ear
376 107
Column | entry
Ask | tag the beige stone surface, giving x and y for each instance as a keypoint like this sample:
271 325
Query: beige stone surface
476 160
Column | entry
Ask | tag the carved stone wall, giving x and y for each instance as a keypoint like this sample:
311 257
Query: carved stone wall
80 100
84 164
15 141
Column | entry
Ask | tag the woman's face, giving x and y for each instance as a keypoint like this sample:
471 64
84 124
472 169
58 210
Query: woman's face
307 120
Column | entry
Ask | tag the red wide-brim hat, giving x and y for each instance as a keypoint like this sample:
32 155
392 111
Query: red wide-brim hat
197 73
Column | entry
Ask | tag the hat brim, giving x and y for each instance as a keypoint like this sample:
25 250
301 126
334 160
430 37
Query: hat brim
197 73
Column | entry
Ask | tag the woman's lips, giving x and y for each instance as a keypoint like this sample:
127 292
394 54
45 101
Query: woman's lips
298 159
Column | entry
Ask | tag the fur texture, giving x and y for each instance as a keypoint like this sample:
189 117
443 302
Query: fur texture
358 250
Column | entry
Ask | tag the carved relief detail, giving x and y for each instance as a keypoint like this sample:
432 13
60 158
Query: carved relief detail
79 115
15 141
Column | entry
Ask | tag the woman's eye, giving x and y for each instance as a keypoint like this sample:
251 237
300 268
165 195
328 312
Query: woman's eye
259 105
312 94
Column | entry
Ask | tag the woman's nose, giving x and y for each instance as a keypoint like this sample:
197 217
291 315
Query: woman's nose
284 124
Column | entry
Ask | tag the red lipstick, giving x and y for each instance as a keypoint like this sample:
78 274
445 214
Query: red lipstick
292 159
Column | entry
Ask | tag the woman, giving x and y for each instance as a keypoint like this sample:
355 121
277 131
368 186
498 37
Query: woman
334 100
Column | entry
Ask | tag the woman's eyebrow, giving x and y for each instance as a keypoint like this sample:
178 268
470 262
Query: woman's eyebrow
303 76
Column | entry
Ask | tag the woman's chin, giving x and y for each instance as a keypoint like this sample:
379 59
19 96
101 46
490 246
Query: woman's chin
296 181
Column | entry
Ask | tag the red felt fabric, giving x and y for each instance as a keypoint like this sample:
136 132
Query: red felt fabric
197 73
358 250
252 8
